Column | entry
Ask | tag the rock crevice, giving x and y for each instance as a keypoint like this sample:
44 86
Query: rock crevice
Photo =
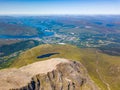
67 76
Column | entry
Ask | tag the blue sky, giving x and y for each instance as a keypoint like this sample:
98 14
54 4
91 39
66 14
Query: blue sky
46 7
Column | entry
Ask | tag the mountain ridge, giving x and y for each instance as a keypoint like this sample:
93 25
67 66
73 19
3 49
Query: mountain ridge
102 68
51 74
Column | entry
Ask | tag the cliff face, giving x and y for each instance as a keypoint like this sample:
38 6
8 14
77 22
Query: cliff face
66 75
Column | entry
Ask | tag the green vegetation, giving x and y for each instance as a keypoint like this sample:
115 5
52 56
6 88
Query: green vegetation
8 53
7 61
30 56
111 49
102 32
15 47
103 68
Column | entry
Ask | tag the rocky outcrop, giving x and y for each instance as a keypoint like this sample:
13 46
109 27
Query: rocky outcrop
70 75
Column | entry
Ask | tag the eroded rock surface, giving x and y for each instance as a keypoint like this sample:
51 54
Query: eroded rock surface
52 74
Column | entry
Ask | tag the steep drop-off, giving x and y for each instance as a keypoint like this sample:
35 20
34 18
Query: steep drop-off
52 74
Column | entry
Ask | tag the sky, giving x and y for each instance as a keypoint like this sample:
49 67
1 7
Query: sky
62 7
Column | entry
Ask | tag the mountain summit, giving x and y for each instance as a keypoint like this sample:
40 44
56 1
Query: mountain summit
51 74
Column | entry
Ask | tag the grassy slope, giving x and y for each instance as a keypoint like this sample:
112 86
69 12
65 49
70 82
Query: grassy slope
30 56
108 67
